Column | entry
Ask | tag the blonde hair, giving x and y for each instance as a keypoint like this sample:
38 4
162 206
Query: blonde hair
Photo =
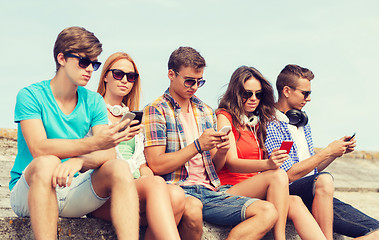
132 99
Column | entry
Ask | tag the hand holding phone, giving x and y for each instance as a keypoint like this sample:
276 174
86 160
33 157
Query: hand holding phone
226 129
127 115
286 145
349 139
137 117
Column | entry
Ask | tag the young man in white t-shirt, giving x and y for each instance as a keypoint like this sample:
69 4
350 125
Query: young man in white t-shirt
305 167
53 117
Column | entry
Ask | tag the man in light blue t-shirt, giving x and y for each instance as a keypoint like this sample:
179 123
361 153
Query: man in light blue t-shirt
53 117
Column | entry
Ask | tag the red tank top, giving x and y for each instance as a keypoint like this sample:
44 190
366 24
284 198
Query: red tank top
247 148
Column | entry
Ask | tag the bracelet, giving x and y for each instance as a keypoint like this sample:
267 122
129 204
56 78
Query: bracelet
197 145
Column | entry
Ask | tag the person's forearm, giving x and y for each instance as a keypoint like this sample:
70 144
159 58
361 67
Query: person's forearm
65 148
304 167
165 163
219 159
96 159
247 165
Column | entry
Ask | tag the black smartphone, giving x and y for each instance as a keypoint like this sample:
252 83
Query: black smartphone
349 139
137 117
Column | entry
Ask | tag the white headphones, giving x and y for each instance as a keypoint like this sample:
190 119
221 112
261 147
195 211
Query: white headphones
117 110
251 121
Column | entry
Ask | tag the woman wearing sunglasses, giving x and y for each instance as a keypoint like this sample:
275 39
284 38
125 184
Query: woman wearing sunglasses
249 98
161 205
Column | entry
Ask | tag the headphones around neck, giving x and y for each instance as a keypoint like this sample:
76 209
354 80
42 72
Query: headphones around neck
251 121
117 110
297 118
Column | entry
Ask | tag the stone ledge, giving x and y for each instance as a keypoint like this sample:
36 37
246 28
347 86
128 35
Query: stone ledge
90 228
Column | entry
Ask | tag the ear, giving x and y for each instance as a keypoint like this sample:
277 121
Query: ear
286 91
105 77
61 60
171 74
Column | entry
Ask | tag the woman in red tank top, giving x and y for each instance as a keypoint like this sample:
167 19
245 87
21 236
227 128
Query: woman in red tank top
250 97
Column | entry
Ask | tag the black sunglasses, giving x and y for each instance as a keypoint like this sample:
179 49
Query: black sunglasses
85 62
189 82
119 75
305 93
249 94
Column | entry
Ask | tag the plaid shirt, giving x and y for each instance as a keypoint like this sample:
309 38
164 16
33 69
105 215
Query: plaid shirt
162 126
278 131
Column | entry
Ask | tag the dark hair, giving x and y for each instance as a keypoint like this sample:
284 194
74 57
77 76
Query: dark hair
233 102
77 40
185 57
289 76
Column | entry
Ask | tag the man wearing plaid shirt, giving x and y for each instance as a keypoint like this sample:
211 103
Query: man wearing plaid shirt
182 145
304 167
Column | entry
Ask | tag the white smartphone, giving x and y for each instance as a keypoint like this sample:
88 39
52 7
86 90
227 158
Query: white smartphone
226 129
127 115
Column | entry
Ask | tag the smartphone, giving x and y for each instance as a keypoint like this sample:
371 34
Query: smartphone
127 115
286 145
226 129
349 139
137 117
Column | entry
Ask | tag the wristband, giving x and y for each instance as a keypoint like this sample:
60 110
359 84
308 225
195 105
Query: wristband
197 145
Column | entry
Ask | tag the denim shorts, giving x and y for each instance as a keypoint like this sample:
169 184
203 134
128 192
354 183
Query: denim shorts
305 188
74 201
220 207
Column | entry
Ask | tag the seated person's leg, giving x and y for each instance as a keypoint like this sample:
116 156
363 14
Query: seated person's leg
271 185
178 201
305 224
252 216
351 222
191 225
322 208
315 190
155 207
113 179
260 217
36 186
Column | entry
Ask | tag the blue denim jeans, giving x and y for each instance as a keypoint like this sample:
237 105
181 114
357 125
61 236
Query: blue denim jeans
220 207
348 220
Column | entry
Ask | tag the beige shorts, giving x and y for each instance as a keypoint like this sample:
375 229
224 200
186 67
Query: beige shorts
74 201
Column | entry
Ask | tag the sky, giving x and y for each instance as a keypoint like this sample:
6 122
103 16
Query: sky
337 40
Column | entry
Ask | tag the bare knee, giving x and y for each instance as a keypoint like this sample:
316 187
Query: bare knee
279 176
41 169
324 185
193 214
296 201
116 172
177 198
263 211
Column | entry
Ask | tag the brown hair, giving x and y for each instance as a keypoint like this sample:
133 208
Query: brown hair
132 99
185 57
233 102
289 76
76 40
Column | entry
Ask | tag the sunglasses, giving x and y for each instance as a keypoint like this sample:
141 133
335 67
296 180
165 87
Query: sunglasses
119 75
189 82
249 94
305 93
85 62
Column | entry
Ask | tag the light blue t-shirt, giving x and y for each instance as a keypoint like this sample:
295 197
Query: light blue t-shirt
37 102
